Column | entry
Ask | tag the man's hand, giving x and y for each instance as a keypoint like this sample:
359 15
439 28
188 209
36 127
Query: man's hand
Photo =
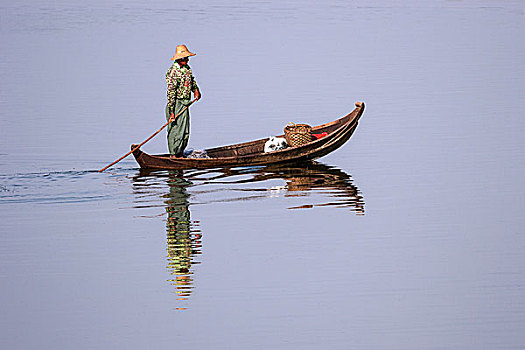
197 94
172 118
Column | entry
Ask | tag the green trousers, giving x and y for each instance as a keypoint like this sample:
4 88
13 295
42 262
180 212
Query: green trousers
178 130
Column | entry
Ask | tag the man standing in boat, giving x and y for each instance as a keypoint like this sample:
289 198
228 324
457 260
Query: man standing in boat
181 84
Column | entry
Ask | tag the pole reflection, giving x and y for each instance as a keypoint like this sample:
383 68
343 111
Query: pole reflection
315 183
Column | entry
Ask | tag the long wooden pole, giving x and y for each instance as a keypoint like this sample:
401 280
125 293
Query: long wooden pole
146 140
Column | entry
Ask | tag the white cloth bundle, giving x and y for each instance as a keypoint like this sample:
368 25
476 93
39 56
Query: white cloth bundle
275 144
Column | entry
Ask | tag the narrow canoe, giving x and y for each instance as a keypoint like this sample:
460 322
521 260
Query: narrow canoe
252 153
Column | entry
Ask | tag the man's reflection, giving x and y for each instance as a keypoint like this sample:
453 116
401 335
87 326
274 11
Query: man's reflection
183 237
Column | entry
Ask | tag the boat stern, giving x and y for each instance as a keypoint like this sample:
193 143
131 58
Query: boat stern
137 153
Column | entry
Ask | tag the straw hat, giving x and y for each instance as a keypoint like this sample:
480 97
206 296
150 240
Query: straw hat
181 51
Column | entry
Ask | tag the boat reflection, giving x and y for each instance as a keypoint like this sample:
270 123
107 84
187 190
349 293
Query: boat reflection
325 185
174 191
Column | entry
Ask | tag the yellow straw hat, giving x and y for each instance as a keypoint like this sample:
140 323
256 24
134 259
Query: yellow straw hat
181 51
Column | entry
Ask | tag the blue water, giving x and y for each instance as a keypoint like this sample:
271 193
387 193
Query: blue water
408 237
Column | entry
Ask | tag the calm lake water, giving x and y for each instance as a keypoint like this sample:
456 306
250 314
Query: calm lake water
411 236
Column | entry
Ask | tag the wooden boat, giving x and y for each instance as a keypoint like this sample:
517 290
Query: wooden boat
252 153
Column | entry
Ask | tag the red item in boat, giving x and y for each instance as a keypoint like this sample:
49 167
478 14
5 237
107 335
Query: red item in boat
318 136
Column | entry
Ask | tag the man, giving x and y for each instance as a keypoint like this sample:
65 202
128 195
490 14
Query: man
181 84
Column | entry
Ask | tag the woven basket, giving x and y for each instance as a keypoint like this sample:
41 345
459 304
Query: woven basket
297 134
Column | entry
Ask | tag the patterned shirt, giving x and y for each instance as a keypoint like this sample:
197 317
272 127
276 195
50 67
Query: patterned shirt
181 83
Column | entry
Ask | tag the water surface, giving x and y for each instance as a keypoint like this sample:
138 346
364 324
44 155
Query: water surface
408 237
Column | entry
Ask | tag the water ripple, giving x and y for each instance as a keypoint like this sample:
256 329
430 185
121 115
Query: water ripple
56 187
